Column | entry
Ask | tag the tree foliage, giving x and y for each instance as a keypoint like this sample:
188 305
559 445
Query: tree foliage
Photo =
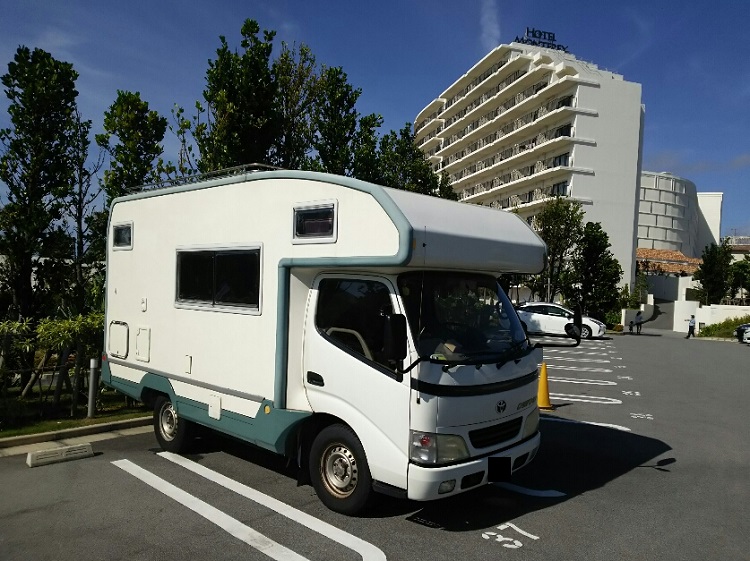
594 273
740 277
560 225
335 122
295 72
241 109
714 273
36 168
132 137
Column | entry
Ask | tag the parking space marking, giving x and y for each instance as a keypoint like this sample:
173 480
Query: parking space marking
368 551
573 421
231 525
581 381
594 360
583 352
585 398
578 368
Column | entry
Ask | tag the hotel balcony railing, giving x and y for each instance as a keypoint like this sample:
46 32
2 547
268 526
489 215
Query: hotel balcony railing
494 113
475 82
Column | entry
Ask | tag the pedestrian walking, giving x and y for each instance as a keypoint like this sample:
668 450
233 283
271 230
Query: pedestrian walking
638 322
691 327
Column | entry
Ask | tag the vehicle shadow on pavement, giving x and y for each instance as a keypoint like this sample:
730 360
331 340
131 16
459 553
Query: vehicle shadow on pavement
574 458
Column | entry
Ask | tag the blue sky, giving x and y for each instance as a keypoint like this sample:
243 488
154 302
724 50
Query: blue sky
691 58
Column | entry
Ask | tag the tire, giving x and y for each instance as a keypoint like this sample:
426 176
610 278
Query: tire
339 471
173 433
585 332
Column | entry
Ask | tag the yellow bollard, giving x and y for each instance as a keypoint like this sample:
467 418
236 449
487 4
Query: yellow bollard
542 398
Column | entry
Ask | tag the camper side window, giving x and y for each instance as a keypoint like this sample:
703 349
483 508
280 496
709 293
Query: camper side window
122 236
219 278
315 223
351 313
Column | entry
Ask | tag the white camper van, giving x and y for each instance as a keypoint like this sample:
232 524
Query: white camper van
356 328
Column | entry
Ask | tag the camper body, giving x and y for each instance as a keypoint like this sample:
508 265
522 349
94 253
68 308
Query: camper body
357 328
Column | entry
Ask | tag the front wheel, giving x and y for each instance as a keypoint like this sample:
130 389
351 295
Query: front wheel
173 433
585 332
339 471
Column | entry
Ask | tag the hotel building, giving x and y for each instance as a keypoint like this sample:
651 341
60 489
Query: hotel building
527 123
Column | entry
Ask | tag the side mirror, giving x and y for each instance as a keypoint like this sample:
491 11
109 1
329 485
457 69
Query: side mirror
394 337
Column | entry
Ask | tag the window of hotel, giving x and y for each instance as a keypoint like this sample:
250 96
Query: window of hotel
561 160
219 278
559 189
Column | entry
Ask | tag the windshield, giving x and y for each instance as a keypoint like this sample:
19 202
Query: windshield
458 315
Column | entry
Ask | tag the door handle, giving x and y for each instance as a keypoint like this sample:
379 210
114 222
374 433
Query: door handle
315 379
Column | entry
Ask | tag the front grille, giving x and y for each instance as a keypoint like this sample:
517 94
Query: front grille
496 434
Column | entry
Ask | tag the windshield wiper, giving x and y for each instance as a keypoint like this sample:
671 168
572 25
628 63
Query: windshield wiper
474 358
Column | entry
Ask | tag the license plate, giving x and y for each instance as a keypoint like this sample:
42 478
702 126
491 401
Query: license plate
498 469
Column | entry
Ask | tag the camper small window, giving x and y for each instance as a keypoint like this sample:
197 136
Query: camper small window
315 223
122 236
219 278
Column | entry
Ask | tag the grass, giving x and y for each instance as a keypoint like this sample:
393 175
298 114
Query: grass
723 329
34 414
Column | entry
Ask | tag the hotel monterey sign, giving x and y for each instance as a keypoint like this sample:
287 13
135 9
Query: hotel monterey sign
539 38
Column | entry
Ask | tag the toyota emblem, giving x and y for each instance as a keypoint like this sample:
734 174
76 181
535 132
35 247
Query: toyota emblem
500 406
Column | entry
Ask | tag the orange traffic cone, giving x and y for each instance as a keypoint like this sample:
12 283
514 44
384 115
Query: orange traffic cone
542 397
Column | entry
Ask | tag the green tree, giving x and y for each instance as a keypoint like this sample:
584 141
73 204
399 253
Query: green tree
295 72
714 272
404 166
366 158
560 225
740 277
35 166
335 122
242 119
594 273
79 210
132 138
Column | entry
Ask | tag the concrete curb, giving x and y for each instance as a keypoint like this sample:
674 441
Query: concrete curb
74 432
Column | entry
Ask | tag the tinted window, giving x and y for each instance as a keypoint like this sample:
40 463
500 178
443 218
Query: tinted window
122 236
351 312
314 222
227 278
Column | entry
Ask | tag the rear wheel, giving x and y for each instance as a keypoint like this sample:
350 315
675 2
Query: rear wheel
173 433
339 471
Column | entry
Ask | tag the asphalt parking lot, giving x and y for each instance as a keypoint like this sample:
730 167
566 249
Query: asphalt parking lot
645 456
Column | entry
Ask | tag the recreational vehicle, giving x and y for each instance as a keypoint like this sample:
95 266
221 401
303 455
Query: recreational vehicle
356 328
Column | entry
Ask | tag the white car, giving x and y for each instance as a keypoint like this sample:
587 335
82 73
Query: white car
543 317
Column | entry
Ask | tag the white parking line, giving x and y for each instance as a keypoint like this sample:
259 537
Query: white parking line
231 525
581 381
585 398
573 421
368 551
564 352
577 368
570 359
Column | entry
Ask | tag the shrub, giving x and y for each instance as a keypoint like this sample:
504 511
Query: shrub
723 329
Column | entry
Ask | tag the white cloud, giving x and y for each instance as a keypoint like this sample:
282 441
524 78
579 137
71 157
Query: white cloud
489 25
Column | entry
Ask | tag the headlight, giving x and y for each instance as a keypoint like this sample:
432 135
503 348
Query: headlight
436 449
532 423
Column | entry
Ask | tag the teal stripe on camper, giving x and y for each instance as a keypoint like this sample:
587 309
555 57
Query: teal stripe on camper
270 429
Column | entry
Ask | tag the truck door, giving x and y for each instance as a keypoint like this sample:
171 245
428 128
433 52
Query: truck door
346 374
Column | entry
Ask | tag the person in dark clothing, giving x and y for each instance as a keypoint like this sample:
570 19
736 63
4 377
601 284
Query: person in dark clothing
691 327
638 322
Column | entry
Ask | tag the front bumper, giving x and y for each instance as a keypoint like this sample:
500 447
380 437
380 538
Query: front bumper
424 482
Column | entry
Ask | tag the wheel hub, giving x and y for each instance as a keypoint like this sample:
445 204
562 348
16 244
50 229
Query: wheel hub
340 470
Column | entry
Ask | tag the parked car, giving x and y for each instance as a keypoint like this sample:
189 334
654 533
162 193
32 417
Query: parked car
551 319
742 332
